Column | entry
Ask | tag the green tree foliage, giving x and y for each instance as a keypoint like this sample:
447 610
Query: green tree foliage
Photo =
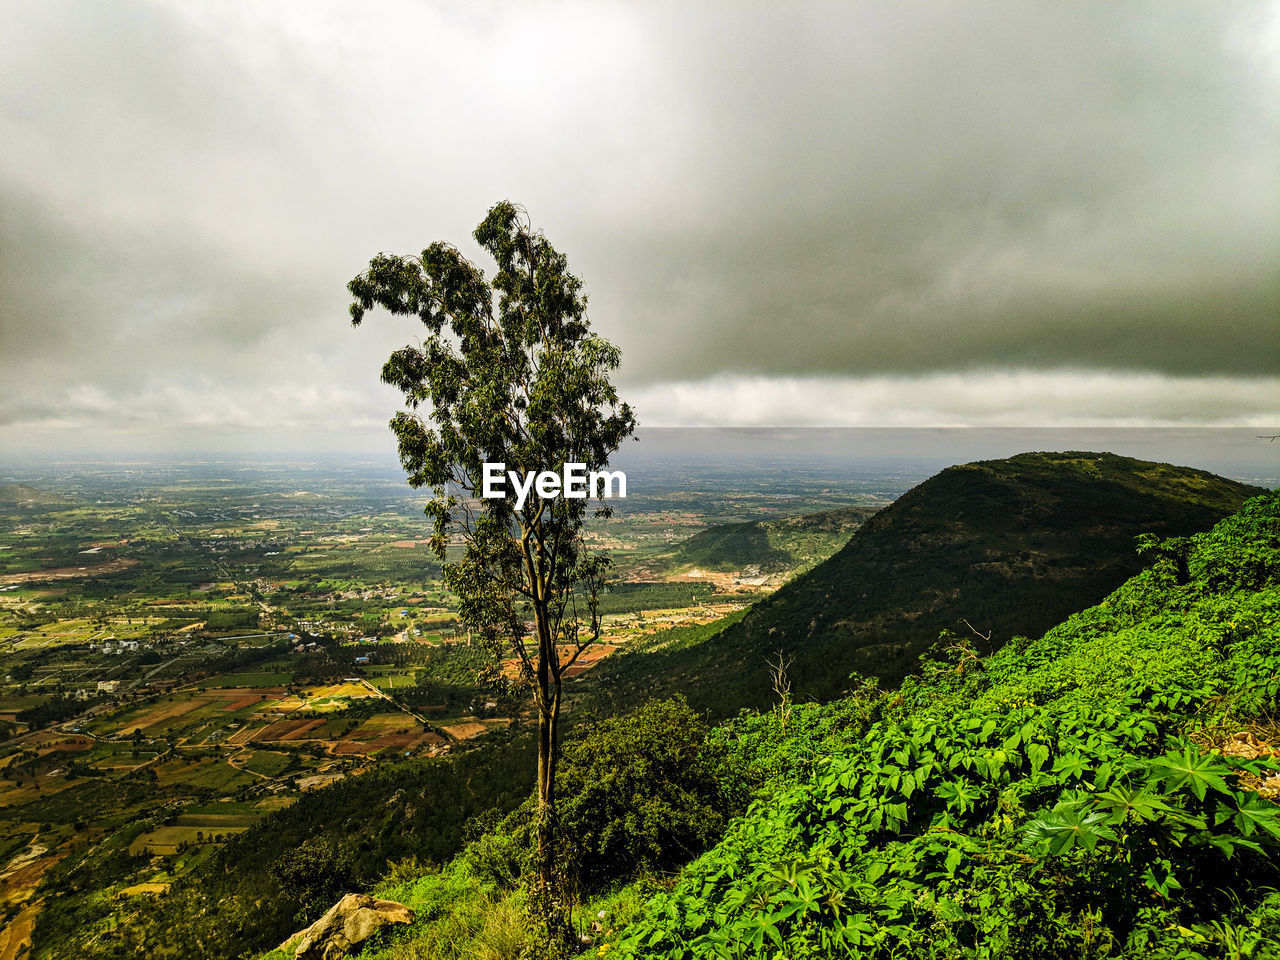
21 672
509 373
316 874
644 791
241 618
55 710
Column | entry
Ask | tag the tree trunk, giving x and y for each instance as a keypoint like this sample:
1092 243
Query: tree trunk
549 682
546 813
550 893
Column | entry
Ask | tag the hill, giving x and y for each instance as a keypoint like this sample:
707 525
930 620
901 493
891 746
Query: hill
1103 791
22 495
1107 790
768 546
1012 546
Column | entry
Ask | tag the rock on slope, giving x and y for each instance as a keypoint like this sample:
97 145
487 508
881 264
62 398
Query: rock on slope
347 924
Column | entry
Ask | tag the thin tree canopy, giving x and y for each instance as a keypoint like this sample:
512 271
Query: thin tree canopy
509 373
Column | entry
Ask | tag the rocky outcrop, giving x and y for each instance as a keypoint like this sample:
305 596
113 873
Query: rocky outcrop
1246 745
348 923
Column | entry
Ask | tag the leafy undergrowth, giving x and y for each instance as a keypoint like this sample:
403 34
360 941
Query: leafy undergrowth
1053 800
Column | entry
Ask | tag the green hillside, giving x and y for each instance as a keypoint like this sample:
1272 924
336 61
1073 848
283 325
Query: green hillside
23 495
1093 793
1012 546
1097 792
769 546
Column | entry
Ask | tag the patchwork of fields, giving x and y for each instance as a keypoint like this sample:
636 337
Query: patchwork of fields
186 650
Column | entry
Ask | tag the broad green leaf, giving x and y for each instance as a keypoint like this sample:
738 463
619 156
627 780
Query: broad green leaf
1038 754
1070 765
1191 769
1253 814
954 856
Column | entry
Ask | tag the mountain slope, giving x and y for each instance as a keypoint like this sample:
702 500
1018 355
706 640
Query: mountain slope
1012 546
1082 796
23 495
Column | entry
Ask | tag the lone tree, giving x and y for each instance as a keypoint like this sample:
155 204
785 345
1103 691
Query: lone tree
510 373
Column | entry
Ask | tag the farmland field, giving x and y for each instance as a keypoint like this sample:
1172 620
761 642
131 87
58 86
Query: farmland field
190 646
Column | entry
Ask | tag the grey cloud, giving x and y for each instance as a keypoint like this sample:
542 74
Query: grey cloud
1067 398
835 190
964 184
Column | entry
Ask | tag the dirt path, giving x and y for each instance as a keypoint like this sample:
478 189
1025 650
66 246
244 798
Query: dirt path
242 767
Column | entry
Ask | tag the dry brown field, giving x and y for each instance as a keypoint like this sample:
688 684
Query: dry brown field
245 700
164 841
465 730
286 730
15 936
161 713
244 735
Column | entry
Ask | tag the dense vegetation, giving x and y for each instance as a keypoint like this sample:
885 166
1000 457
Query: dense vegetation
643 792
1012 546
1097 792
53 711
1063 798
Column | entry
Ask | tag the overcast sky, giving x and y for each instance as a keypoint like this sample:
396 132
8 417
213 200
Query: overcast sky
987 214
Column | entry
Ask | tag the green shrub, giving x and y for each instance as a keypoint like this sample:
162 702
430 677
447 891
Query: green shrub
645 791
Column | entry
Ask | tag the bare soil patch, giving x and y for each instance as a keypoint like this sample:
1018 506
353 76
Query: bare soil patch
69 573
244 735
347 748
160 714
465 730
239 703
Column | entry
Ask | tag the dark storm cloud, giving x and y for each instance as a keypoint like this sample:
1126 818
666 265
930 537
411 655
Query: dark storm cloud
768 199
952 185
